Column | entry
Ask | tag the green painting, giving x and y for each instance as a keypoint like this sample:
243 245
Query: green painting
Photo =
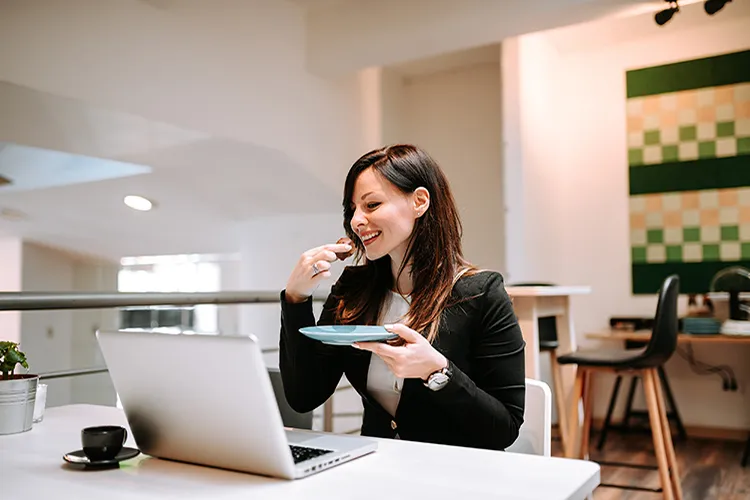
688 127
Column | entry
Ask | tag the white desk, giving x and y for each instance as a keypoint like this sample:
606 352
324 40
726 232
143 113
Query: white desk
32 468
533 302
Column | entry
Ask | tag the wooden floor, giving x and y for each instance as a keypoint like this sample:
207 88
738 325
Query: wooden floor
709 469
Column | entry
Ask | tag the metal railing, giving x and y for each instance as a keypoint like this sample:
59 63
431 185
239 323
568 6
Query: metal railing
45 301
72 373
42 301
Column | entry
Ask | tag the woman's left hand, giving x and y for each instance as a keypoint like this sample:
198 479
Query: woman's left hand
416 358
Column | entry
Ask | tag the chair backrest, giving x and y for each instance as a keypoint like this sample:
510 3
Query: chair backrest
535 436
289 417
663 342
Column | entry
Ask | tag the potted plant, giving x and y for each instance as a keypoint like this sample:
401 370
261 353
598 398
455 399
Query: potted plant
17 391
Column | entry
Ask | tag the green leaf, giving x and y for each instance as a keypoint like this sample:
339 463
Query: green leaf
10 356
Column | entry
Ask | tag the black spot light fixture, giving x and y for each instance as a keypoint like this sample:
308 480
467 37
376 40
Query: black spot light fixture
710 6
713 6
664 16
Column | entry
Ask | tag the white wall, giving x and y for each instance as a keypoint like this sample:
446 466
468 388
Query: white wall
271 248
89 276
47 336
64 339
571 86
10 281
455 116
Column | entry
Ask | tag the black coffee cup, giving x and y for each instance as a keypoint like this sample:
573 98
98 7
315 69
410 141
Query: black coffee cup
103 442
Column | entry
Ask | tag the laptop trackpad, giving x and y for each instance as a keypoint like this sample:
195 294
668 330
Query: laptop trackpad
301 437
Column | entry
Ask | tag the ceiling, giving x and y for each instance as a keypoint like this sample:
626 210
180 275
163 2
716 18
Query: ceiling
450 61
203 186
67 188
23 168
322 4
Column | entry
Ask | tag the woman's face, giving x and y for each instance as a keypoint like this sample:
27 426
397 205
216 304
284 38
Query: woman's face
383 217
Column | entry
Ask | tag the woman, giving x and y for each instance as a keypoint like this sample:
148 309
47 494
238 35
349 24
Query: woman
457 375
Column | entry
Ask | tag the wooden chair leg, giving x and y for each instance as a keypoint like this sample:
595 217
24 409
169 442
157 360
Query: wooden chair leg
562 421
588 414
650 379
571 450
668 445
574 417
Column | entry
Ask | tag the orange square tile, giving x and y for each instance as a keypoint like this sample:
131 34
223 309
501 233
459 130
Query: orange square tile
673 218
724 95
638 221
687 100
635 124
742 109
653 203
744 215
728 198
690 200
651 105
710 217
706 114
668 118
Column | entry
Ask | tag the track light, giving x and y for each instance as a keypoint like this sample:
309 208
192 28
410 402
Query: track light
663 16
713 6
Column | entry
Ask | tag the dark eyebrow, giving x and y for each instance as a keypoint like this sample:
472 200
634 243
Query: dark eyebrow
366 195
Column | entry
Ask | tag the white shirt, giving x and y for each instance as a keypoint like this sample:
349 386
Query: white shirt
382 384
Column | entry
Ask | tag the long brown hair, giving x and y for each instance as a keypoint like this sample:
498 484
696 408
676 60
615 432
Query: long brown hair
434 248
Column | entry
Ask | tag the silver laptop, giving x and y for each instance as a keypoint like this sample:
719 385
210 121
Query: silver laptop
208 400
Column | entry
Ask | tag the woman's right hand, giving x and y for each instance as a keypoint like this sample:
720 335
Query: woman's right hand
312 268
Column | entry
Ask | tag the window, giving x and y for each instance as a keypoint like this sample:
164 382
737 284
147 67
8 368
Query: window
181 318
170 273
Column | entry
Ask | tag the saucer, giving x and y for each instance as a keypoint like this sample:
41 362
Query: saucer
347 334
79 458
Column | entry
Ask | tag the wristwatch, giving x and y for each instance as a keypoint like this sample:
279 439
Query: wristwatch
439 379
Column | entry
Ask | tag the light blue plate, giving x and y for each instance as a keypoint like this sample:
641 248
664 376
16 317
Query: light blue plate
347 334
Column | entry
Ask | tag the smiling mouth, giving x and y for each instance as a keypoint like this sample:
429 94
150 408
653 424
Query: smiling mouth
369 238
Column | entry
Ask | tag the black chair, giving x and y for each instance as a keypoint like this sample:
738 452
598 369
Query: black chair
289 416
548 342
644 362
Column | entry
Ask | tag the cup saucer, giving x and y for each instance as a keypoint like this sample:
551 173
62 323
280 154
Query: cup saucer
79 458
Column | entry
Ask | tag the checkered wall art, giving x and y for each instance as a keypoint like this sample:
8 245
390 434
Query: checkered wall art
689 170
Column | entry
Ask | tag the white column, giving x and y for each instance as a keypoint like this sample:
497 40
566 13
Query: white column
513 162
533 159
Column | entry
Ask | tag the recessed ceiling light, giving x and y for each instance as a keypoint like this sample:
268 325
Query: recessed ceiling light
11 214
138 203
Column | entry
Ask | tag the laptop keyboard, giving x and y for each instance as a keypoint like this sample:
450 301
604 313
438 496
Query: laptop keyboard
302 453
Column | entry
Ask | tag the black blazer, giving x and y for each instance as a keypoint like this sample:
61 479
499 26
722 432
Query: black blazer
482 406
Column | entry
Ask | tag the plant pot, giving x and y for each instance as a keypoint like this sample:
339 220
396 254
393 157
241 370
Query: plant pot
17 397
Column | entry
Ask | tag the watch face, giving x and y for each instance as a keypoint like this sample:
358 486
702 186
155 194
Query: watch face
437 381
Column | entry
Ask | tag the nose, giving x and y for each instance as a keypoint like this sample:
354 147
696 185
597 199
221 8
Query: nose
358 220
